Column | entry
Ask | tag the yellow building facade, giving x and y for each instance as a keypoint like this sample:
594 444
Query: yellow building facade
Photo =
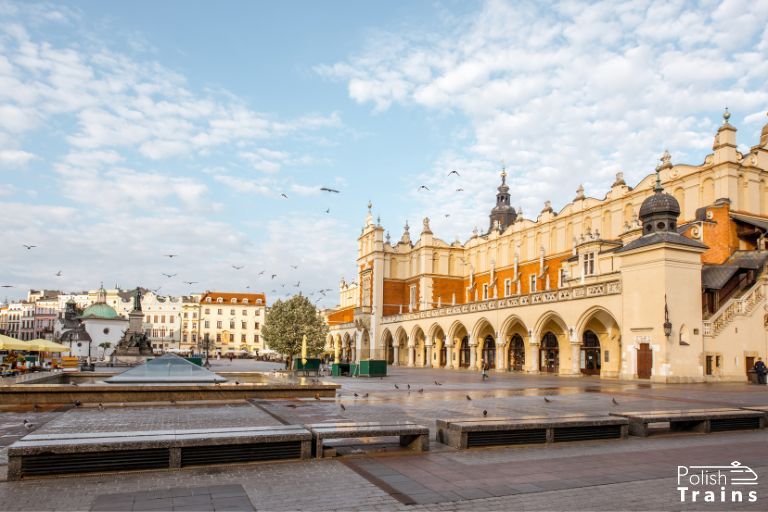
663 280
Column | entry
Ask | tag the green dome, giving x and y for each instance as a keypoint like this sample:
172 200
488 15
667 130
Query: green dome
100 310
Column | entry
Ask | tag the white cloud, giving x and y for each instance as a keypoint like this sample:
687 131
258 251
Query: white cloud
15 158
567 93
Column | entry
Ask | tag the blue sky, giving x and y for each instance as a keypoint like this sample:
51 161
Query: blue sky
133 129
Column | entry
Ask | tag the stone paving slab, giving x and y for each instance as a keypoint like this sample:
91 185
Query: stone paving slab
216 497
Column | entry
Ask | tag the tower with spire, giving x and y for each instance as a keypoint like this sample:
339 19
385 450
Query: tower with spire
503 212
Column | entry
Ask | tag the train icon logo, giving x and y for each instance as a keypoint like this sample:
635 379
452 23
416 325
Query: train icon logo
717 484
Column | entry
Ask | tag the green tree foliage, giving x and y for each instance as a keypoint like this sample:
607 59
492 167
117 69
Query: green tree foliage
288 321
104 347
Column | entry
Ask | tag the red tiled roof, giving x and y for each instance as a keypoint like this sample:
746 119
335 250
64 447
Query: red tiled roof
226 297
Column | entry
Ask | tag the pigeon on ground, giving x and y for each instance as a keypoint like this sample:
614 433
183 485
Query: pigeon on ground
101 406
28 425
485 413
342 407
614 401
547 399
468 397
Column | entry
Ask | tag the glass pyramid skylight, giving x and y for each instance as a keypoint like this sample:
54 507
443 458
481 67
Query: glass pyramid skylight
168 368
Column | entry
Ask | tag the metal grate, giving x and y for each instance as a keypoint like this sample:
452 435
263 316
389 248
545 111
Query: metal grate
90 462
587 433
501 437
720 425
233 453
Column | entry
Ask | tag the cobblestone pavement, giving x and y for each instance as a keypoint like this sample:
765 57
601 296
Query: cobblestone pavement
633 474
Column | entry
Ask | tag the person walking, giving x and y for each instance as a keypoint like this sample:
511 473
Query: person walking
760 370
485 366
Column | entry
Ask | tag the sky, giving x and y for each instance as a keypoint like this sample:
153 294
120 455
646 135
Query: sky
131 130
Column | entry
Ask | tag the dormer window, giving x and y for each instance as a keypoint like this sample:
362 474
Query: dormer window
208 300
258 301
234 301
245 301
219 300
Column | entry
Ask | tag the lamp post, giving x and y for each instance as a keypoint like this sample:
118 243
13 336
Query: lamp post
206 347
667 323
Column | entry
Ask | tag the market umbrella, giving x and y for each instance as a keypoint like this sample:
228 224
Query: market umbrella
304 350
8 343
42 345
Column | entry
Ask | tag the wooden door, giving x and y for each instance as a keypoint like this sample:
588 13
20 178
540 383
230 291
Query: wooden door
750 365
644 361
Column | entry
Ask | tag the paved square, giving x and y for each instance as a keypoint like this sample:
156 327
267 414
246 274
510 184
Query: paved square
632 474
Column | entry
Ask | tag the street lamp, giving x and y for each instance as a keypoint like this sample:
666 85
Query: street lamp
206 347
667 323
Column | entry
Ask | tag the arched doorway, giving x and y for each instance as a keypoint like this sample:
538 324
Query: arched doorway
464 353
590 354
489 351
389 348
517 353
549 360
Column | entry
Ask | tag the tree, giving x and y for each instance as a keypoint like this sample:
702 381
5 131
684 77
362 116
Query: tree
104 347
287 323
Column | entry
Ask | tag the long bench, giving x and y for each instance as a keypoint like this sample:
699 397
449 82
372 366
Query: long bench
475 432
694 420
56 454
413 436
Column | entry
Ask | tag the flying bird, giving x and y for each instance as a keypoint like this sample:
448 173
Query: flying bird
261 273
454 172
238 267
169 275
190 283
326 189
297 284
447 215
328 210
285 196
274 276
8 286
459 189
28 247
424 187
170 255
58 274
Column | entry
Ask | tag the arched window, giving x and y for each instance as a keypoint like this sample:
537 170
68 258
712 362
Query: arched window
464 356
549 354
590 362
517 353
489 351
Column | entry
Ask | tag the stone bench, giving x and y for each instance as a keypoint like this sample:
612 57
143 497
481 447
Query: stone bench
57 454
475 432
695 420
413 436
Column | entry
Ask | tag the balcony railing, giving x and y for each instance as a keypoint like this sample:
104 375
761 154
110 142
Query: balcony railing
545 297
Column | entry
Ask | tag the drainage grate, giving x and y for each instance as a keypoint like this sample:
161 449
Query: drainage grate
233 453
721 425
119 460
501 437
587 433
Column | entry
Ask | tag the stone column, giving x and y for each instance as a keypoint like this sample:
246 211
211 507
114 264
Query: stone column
575 358
449 364
411 356
533 351
501 361
473 355
429 345
396 355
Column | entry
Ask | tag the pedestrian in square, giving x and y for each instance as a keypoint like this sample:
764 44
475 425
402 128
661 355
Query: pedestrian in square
485 366
760 370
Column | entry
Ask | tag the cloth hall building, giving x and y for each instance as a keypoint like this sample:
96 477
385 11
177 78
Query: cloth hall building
664 280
